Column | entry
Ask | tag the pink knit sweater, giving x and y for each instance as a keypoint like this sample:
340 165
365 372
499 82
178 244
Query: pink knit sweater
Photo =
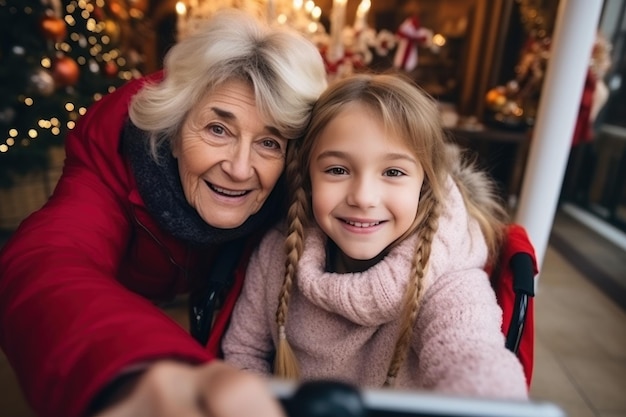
344 326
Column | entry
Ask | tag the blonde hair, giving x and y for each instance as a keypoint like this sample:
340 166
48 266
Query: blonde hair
405 111
284 68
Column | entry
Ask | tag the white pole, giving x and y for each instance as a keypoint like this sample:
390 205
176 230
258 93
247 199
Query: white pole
570 52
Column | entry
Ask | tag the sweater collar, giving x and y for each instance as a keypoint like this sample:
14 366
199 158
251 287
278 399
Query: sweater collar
369 298
160 188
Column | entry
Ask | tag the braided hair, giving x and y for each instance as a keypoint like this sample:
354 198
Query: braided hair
406 111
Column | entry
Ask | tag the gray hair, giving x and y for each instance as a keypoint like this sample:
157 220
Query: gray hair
285 70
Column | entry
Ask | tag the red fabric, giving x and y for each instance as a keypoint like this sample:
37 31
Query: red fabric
517 241
583 131
68 322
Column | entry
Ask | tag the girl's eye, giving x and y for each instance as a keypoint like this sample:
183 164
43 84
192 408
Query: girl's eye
336 171
393 173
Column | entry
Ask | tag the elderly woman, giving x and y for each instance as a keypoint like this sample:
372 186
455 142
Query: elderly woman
165 180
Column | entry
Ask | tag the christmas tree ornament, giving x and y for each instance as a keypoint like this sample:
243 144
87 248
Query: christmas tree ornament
496 98
93 66
41 82
98 13
53 28
117 9
505 107
65 71
110 69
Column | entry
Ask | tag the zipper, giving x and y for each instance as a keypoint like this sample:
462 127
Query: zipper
165 249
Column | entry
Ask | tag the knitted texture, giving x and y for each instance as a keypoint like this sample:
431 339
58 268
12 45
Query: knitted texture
345 326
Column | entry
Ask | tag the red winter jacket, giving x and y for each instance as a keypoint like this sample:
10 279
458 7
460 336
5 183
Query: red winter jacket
68 322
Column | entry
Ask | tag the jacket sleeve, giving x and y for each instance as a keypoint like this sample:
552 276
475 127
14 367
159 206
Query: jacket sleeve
67 326
461 348
458 338
248 342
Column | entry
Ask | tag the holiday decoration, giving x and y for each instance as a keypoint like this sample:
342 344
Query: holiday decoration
514 105
346 48
110 69
56 59
53 28
504 102
65 71
335 51
41 82
411 35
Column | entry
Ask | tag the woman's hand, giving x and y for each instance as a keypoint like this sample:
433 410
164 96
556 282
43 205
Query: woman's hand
174 389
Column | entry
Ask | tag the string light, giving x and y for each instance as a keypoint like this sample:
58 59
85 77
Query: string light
85 44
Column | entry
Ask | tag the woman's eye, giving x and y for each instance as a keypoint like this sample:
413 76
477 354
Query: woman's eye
271 144
273 147
217 130
393 173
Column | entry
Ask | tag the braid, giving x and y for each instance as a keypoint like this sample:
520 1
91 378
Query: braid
427 226
285 364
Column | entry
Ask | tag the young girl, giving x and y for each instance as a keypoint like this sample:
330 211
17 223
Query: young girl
388 235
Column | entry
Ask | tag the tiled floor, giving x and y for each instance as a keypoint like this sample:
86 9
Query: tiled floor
580 351
580 361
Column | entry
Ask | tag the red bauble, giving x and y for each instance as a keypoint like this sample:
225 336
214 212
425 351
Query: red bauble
110 69
97 13
141 5
65 71
118 9
53 28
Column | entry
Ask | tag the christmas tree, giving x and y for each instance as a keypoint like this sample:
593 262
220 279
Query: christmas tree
56 59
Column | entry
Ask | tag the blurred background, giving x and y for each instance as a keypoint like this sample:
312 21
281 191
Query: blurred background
485 62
